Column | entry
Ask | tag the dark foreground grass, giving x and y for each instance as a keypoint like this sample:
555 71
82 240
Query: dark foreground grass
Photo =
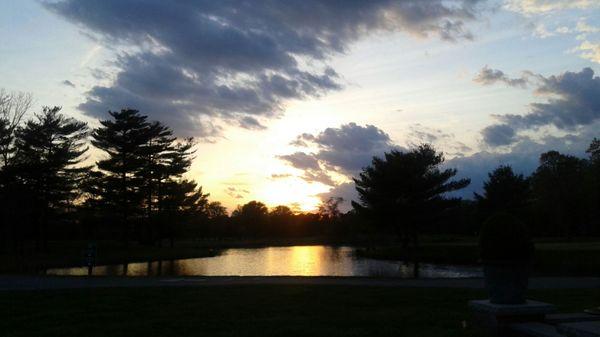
551 258
265 310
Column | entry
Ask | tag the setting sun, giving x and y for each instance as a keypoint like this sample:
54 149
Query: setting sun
293 192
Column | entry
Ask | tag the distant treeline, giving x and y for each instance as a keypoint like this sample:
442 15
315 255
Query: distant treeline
136 190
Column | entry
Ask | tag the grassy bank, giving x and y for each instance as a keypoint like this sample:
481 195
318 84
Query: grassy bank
581 257
254 311
61 254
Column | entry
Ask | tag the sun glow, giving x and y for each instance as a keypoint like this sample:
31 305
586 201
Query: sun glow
293 192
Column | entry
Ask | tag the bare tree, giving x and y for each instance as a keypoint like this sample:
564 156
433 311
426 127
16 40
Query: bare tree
13 106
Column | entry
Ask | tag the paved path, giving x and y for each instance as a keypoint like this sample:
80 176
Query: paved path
8 283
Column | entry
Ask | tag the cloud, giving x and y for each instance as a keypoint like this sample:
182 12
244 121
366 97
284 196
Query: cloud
419 134
340 152
529 7
310 167
350 147
68 83
583 27
542 32
498 135
589 50
194 64
487 76
251 123
280 175
301 161
523 157
572 101
236 192
346 191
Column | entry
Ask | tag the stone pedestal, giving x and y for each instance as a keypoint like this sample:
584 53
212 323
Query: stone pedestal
497 317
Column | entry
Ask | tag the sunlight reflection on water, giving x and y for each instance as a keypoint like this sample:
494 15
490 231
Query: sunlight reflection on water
279 261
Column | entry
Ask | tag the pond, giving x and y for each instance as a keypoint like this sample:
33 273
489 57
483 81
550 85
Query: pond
279 261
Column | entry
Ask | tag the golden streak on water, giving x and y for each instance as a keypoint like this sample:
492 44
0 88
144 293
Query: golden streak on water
274 261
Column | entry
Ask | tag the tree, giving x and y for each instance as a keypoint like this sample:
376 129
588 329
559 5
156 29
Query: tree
13 106
143 169
593 184
122 139
217 218
182 201
503 191
47 161
281 220
215 210
405 190
330 214
252 218
559 193
329 210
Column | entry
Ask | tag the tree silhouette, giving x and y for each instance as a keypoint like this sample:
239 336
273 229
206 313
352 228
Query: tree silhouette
142 172
404 190
13 106
503 191
251 218
122 139
593 183
49 151
282 221
559 196
215 210
181 201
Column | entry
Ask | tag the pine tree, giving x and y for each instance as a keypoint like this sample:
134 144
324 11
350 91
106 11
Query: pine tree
47 161
405 190
143 156
122 138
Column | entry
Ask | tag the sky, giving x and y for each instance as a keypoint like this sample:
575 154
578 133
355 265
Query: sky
288 100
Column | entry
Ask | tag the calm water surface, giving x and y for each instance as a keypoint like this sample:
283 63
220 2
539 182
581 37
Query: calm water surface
279 261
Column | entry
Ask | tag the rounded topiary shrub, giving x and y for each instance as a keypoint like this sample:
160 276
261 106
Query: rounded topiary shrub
505 239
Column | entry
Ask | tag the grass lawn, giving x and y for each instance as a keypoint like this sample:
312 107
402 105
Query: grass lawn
264 310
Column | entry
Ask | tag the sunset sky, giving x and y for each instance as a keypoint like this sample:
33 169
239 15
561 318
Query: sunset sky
290 99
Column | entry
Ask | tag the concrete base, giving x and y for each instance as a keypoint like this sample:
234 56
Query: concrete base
497 318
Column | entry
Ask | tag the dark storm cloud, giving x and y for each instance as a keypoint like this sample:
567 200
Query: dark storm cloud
572 102
487 76
189 62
